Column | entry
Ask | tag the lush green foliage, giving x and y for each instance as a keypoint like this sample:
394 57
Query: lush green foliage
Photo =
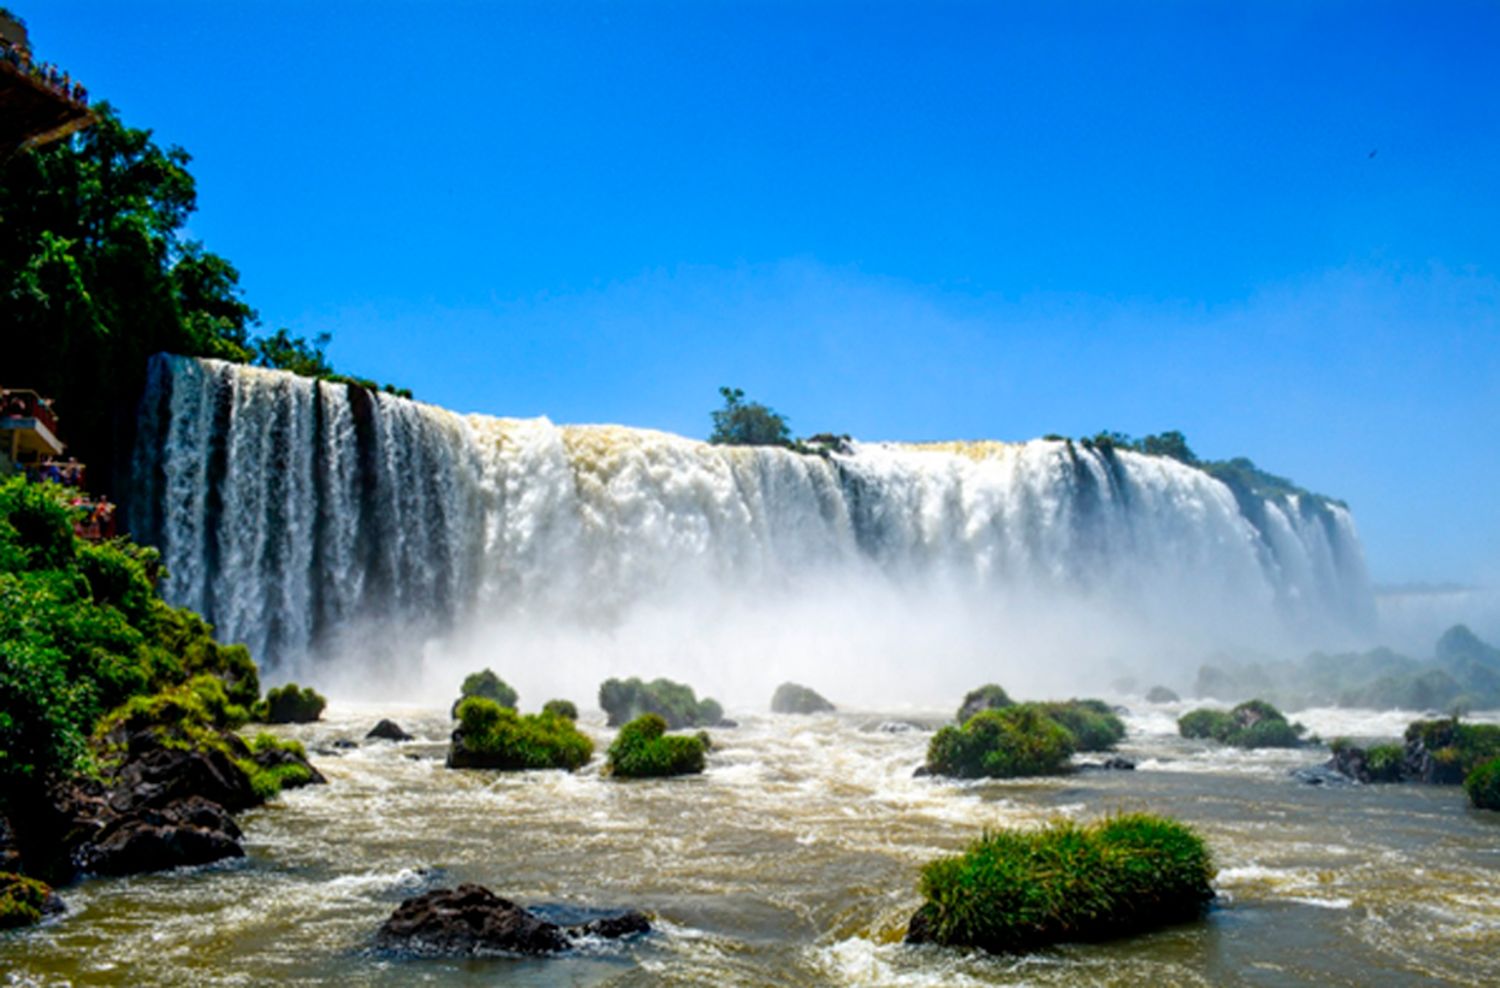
561 708
747 423
625 700
1015 890
987 697
791 698
488 685
492 736
1252 724
82 631
1449 741
21 900
1092 723
1015 741
1383 761
1483 785
289 704
643 749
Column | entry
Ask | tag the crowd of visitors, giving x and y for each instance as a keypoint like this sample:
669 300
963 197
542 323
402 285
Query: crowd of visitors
69 472
45 73
28 405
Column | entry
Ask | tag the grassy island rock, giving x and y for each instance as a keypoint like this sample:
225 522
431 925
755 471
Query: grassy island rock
289 704
676 703
24 901
1161 694
472 920
999 744
1252 724
1016 890
561 708
492 736
1483 785
644 749
1445 751
488 685
987 697
1094 726
791 698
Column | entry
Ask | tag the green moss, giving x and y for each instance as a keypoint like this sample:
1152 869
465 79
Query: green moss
1018 890
987 697
676 703
267 781
643 749
1483 785
1205 723
21 900
492 736
1015 741
1383 761
289 704
1451 742
1252 724
1092 723
487 685
561 708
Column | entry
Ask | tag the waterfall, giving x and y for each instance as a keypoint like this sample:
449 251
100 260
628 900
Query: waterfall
301 517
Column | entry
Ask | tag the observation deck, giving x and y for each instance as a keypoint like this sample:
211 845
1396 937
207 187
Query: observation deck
39 103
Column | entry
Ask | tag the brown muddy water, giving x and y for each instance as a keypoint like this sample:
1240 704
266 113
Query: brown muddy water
793 861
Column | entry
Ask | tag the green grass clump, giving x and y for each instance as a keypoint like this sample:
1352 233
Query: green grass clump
488 685
290 704
987 697
1452 743
492 736
21 900
643 749
1252 724
1483 785
999 744
561 708
1016 890
1094 726
1383 761
676 703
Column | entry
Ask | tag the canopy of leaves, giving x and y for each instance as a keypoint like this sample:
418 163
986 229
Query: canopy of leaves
1013 741
747 423
494 736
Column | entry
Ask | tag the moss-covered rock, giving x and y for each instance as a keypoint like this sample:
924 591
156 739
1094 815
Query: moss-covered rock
643 749
1094 726
792 698
1483 785
1252 724
1014 741
1016 890
1445 751
676 703
987 697
290 704
24 901
492 736
561 708
1161 694
487 685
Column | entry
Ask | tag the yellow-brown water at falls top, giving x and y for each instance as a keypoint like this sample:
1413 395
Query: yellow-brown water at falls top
316 522
793 861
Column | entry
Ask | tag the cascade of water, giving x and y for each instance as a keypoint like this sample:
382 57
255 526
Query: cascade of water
296 514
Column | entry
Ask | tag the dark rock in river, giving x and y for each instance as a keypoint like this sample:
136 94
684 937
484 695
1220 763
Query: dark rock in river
190 831
473 920
1161 694
1322 775
388 730
793 698
345 744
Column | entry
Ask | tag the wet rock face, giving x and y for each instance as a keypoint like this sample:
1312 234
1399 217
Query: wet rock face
190 831
387 730
473 920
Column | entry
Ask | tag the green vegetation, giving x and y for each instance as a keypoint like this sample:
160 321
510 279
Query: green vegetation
676 703
1456 747
488 685
1015 890
1483 785
289 704
492 736
1015 741
987 697
1383 761
1092 723
22 900
82 632
747 423
561 708
790 698
1252 724
643 749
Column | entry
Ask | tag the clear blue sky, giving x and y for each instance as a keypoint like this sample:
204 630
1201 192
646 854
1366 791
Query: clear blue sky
1273 226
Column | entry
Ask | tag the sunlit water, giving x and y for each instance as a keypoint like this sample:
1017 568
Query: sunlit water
793 860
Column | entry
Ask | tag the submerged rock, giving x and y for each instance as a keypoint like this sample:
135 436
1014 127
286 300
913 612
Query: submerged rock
473 920
792 698
388 730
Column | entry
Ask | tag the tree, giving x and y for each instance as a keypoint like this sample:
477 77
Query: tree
742 423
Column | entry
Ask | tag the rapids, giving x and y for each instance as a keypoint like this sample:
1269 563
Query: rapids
793 861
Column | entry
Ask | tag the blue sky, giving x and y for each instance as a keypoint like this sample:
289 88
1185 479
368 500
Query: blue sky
901 221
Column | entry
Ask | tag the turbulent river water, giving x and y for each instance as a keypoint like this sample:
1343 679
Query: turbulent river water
793 861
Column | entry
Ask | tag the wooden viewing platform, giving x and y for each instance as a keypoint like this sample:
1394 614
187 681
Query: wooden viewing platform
36 105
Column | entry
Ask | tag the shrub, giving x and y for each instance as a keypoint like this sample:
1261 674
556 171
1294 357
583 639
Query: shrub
1092 723
1016 890
1483 785
487 685
492 736
1383 762
1205 723
790 698
22 900
1252 724
561 708
1453 743
999 744
987 697
643 749
290 704
676 703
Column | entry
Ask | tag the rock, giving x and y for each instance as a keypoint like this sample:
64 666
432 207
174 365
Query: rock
277 757
191 831
922 772
1160 694
1119 764
155 775
473 920
986 697
792 698
345 744
388 730
1322 775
